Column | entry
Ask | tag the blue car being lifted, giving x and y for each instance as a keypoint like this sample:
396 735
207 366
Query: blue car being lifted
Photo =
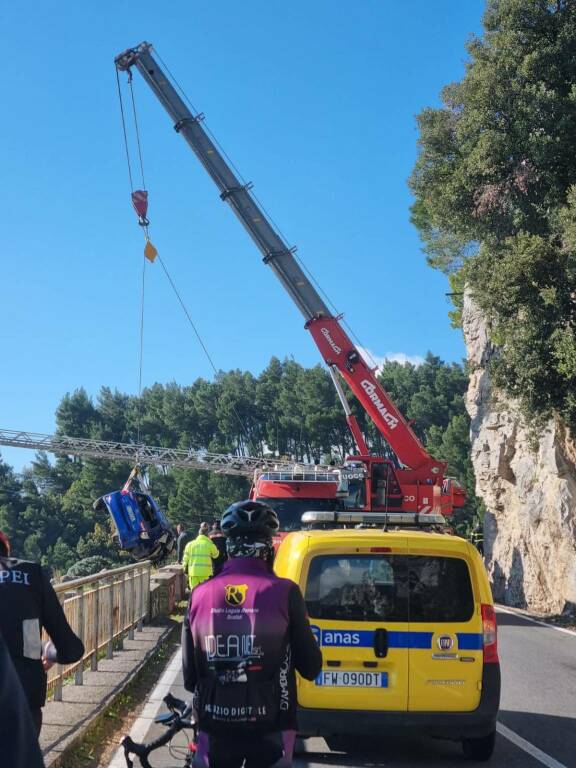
141 527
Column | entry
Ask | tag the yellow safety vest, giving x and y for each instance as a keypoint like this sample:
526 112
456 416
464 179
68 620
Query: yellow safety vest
197 561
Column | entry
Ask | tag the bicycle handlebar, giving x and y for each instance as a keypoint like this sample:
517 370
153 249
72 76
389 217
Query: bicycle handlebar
176 704
182 720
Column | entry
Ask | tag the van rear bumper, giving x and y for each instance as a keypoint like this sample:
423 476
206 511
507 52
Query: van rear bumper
449 725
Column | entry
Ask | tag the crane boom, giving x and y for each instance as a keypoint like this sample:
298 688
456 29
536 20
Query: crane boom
275 251
334 344
225 464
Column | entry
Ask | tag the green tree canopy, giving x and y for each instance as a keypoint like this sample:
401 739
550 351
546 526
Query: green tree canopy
495 199
287 410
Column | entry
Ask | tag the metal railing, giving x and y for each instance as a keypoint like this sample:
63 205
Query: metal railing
102 609
300 475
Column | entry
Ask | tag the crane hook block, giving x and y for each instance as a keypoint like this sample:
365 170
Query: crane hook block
140 203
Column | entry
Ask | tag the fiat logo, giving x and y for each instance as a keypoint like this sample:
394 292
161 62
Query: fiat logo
445 642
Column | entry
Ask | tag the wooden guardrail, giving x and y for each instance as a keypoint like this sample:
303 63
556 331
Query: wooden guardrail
102 609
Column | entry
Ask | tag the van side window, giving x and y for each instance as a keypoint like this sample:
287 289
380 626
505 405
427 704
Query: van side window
358 588
440 589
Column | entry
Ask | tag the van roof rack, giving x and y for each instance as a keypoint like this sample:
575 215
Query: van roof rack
384 519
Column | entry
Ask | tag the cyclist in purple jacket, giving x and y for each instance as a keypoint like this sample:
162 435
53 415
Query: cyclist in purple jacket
248 632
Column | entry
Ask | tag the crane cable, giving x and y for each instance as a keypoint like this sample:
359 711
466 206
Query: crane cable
143 278
144 260
151 256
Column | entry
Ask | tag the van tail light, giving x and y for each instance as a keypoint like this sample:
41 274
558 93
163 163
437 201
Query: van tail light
490 643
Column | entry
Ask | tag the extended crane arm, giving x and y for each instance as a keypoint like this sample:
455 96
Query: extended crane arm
334 344
244 466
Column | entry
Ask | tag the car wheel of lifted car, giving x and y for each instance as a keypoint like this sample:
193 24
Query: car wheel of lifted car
479 749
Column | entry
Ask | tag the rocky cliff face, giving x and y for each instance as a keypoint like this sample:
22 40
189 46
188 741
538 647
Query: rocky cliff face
529 489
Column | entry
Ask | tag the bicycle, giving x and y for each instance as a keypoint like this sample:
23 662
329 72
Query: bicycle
179 718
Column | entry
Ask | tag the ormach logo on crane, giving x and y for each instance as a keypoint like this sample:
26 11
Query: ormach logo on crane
326 333
370 390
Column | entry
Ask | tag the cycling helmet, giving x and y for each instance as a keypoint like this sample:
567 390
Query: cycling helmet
250 518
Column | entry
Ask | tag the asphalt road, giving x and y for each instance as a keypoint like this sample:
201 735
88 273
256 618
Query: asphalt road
537 721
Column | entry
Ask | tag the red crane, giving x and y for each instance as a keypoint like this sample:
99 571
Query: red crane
370 483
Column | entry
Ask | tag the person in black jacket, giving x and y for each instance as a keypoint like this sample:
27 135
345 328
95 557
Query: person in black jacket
219 539
181 541
28 604
18 739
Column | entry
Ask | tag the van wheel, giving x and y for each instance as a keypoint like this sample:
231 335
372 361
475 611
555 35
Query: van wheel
342 743
479 749
300 746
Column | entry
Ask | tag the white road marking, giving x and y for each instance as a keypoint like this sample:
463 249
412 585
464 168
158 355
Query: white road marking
142 724
536 753
535 621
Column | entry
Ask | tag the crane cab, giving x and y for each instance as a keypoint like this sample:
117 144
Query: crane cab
371 483
141 527
368 484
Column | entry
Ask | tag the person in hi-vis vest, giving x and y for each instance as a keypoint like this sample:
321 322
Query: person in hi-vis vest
199 556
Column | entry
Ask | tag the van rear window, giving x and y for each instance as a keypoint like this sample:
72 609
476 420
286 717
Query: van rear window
358 588
389 588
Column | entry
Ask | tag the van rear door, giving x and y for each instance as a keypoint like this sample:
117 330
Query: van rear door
357 600
445 669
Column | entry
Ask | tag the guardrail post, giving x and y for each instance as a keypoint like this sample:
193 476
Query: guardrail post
58 686
59 677
79 674
110 648
121 609
148 575
132 577
141 602
95 625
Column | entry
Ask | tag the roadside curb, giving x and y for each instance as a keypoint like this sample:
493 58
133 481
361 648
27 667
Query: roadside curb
541 621
155 700
55 755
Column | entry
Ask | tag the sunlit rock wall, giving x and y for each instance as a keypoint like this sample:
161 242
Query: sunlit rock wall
528 484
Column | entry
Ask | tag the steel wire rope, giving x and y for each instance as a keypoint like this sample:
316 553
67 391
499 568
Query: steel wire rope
141 361
203 345
166 272
124 131
279 232
137 133
143 279
143 288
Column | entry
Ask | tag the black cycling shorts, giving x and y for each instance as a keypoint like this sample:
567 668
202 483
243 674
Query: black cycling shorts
259 751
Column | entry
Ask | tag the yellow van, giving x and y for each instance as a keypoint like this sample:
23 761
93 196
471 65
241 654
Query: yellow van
406 623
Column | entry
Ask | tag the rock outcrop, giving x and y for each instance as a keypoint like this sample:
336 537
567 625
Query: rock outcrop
528 485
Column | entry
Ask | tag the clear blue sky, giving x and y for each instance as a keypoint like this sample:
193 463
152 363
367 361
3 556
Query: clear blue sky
314 101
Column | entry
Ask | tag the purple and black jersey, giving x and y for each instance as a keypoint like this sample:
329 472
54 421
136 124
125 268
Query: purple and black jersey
248 632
